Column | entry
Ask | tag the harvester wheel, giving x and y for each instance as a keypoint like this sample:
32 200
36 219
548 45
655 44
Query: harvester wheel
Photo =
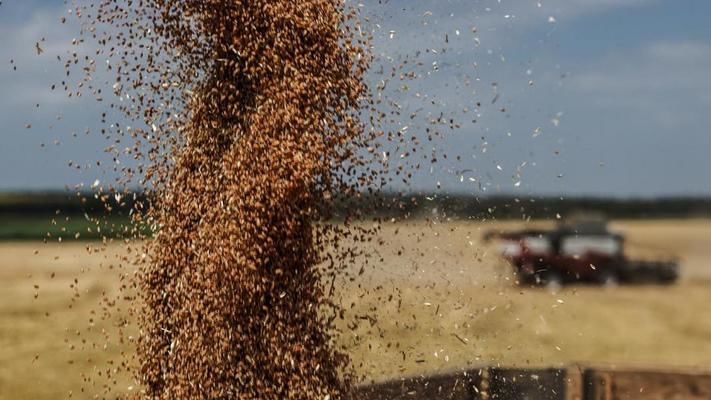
552 281
609 279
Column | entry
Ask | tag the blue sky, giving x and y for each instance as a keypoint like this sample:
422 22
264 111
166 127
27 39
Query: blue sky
601 97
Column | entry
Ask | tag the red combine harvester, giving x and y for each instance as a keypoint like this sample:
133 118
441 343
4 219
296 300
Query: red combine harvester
578 251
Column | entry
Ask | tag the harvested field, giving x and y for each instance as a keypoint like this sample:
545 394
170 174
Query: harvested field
453 305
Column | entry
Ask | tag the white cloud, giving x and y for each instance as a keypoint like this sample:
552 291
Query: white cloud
659 68
682 53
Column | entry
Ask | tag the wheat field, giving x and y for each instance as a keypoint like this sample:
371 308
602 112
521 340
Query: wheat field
434 297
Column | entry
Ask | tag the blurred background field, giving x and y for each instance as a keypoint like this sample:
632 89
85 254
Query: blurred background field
435 298
461 308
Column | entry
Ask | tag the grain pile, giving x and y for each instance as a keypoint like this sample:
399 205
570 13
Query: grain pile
252 130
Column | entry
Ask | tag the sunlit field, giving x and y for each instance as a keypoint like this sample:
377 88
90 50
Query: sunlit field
439 300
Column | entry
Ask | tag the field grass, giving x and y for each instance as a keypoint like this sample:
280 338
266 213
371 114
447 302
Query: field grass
60 228
439 300
50 331
53 215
